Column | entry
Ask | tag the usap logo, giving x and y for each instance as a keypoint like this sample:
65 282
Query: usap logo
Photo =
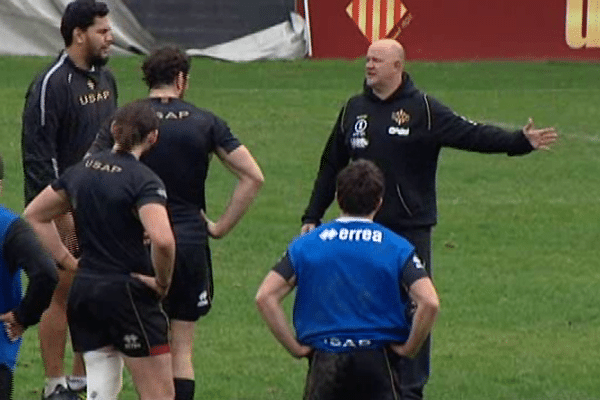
359 140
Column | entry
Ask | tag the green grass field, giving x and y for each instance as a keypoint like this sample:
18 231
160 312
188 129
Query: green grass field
515 256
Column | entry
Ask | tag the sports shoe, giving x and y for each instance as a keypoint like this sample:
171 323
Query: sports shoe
81 392
61 393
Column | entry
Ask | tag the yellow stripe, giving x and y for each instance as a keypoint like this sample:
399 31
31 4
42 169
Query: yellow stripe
349 10
376 16
390 15
362 16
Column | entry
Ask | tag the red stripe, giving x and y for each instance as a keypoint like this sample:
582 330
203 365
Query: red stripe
161 349
397 12
355 10
370 16
383 19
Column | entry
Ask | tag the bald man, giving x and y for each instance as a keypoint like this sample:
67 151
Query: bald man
403 130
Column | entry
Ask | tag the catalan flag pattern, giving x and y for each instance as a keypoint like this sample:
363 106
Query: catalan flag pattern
377 19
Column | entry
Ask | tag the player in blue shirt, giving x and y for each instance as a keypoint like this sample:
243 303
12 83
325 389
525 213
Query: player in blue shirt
355 281
20 250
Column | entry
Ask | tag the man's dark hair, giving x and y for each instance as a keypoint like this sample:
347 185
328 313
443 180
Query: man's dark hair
132 124
163 65
80 14
359 187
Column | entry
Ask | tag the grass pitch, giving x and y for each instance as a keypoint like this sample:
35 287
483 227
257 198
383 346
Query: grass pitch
515 255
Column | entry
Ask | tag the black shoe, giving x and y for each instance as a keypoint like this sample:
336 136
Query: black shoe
61 393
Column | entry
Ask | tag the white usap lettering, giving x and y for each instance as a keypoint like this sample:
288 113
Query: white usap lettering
181 114
94 97
100 166
347 343
352 235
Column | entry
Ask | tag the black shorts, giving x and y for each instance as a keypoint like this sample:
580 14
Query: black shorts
191 292
116 310
361 374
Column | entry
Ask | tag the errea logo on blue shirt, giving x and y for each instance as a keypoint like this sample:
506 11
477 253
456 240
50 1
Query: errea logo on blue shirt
365 235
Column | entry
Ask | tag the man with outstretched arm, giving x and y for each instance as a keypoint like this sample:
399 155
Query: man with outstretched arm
403 131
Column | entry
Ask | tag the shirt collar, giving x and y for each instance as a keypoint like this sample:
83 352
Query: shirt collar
353 219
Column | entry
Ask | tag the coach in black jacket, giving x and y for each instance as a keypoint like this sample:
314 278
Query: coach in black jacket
403 130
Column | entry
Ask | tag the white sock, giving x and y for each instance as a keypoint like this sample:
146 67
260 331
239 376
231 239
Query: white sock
76 383
52 383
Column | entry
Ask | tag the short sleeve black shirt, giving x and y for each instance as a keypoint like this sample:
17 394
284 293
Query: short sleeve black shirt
106 191
188 137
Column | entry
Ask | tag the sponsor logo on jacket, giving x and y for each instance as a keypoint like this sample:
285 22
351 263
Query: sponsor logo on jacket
400 117
359 139
394 130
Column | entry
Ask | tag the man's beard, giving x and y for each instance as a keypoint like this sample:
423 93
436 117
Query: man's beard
98 61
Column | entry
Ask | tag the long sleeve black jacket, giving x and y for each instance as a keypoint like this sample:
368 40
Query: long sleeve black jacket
22 249
64 109
403 135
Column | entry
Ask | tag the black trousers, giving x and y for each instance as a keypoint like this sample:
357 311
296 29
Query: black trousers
5 382
414 373
356 375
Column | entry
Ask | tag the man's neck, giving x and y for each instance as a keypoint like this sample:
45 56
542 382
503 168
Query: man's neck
369 217
385 92
164 91
77 58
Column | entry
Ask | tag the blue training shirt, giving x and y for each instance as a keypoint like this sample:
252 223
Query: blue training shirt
352 286
10 292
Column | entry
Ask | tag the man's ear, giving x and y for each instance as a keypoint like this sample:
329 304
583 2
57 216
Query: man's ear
153 136
181 82
379 205
113 128
78 35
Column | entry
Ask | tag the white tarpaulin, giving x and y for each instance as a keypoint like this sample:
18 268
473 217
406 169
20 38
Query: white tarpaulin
32 27
282 41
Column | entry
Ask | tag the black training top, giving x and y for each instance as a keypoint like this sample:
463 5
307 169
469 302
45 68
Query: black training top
187 137
22 249
404 135
64 109
106 191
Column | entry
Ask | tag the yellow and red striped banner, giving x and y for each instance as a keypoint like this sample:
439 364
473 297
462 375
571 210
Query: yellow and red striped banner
377 19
